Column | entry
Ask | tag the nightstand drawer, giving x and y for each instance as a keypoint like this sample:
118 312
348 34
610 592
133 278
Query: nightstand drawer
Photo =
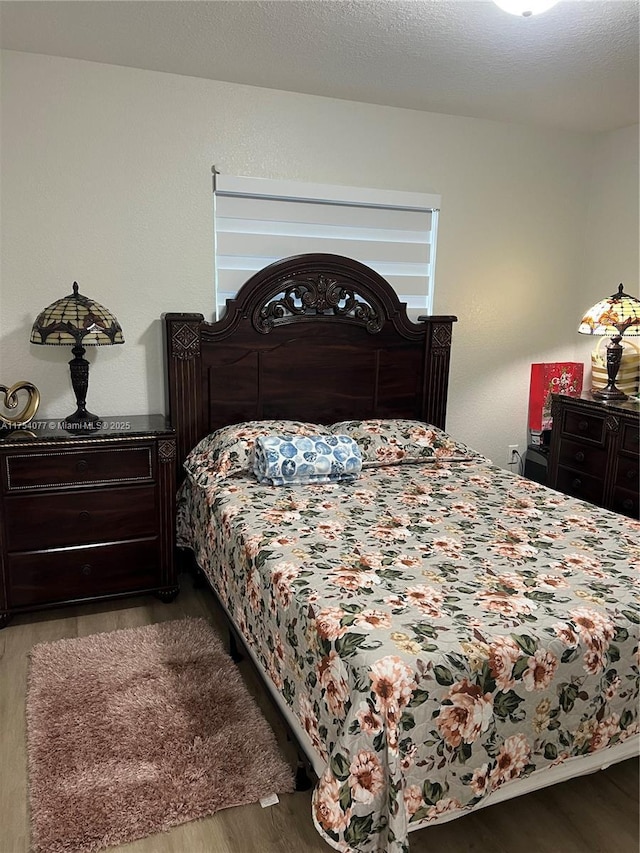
580 485
582 457
630 438
75 573
80 518
583 425
78 467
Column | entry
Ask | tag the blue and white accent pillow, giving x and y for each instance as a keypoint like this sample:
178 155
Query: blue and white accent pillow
282 460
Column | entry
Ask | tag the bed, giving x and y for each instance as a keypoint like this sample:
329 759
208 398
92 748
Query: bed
439 633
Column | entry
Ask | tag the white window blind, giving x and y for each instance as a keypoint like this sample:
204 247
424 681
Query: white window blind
258 221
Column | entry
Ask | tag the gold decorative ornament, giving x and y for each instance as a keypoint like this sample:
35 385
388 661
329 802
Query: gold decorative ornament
11 402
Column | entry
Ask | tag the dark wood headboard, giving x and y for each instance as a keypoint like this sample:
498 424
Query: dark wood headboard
314 337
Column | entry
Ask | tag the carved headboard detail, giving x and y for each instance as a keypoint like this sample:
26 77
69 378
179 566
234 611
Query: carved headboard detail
315 337
318 296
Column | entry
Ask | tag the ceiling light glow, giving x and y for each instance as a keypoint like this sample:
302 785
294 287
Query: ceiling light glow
525 8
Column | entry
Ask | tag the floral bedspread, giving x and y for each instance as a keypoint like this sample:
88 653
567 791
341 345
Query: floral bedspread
439 630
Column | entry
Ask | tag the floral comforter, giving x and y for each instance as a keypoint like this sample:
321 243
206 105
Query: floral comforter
439 630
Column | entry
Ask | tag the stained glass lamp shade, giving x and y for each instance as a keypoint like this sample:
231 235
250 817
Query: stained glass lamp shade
614 317
77 321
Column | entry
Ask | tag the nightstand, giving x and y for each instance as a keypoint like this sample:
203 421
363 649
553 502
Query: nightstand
536 462
86 516
595 450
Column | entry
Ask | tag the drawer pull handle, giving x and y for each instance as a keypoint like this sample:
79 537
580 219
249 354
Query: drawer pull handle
81 466
575 484
84 516
86 569
627 504
631 474
583 426
579 457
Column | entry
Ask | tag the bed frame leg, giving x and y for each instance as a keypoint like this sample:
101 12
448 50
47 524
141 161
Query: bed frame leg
234 651
186 564
302 783
199 579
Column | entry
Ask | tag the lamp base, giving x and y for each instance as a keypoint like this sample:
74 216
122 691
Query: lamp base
614 357
609 393
82 421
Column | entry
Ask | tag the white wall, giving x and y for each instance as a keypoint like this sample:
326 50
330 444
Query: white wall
612 231
106 180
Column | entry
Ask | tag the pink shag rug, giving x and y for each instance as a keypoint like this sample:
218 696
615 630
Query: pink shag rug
135 731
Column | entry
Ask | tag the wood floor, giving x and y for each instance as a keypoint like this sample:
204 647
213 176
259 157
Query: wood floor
593 814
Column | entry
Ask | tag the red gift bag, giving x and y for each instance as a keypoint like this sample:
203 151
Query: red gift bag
559 377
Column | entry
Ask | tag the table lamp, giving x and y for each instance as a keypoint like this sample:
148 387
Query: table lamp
615 316
77 321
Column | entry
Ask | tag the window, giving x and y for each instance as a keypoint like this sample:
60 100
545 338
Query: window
259 221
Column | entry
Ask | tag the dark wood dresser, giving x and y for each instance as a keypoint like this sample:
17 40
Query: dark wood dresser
594 451
86 516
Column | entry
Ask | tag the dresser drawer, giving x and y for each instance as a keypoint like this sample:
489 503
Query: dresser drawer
78 467
583 425
581 456
626 501
580 485
75 573
627 472
39 521
630 440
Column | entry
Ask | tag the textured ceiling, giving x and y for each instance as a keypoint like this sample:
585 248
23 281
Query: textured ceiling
573 67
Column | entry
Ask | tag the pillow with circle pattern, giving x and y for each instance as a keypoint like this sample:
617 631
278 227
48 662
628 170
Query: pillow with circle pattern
284 460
